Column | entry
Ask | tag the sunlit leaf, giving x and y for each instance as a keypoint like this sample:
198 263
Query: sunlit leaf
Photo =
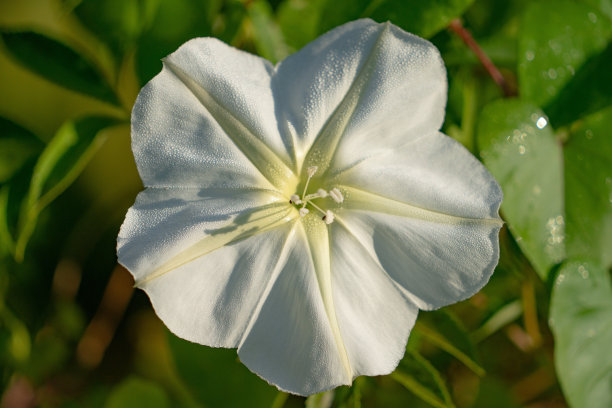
581 319
58 63
519 147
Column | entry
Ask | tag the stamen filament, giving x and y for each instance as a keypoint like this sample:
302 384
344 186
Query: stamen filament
311 171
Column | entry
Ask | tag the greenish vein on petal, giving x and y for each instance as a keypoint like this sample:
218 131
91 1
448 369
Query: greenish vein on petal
270 165
324 148
357 199
259 220
317 235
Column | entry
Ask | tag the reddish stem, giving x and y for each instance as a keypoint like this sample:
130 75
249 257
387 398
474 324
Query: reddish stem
486 62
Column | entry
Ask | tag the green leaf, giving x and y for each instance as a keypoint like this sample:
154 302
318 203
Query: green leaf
588 188
299 21
268 37
128 18
423 18
557 37
589 91
135 393
12 196
445 331
320 400
519 147
581 320
422 379
214 375
57 167
58 63
174 22
335 13
605 6
17 145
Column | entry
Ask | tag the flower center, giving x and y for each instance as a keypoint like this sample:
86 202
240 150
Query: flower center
307 199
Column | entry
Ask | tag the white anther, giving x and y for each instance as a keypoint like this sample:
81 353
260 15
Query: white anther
321 193
328 217
336 195
303 212
295 199
312 170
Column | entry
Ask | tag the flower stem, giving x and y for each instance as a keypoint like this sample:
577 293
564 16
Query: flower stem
458 28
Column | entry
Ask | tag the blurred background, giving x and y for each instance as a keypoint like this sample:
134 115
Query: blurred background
530 92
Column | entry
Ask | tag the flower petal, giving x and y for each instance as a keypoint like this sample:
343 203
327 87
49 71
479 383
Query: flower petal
436 259
167 228
209 298
434 173
208 120
294 341
374 314
429 213
373 82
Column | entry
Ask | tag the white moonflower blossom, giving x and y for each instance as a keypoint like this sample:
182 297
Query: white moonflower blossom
303 213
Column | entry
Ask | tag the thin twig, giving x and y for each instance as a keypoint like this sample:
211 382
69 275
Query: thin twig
486 62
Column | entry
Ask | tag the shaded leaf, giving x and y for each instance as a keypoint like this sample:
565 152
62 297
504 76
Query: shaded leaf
556 39
137 393
445 331
214 375
422 379
268 37
423 18
588 188
163 35
519 147
128 18
320 400
581 319
590 90
17 145
58 63
299 21
57 167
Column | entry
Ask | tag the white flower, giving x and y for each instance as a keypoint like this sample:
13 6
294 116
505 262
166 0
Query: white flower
387 215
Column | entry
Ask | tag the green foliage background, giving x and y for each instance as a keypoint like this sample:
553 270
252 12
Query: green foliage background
74 333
